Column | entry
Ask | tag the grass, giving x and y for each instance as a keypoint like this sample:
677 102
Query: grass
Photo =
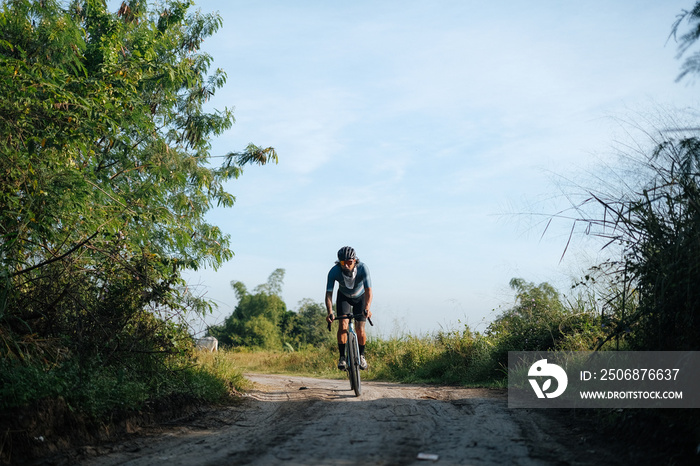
219 374
208 377
309 362
454 358
446 358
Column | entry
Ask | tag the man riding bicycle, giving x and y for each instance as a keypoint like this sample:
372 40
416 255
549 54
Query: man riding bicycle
354 297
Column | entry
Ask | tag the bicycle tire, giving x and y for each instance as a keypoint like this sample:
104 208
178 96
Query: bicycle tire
349 356
355 380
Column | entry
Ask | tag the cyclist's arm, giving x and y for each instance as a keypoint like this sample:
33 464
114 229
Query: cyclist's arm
329 305
368 301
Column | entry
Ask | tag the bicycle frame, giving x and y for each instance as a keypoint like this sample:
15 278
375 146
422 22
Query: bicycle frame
352 351
352 355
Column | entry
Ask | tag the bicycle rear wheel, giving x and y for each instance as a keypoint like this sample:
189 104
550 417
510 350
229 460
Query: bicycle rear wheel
354 365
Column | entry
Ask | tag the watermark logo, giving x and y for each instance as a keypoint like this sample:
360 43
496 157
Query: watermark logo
604 379
542 368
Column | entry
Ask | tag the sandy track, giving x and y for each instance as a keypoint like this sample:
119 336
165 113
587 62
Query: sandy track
305 421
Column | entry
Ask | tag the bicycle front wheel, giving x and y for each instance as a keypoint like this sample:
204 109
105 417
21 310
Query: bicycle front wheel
350 361
354 365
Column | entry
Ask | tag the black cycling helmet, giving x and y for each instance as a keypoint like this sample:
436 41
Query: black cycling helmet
346 253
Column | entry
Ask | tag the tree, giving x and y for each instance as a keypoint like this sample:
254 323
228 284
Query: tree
106 175
258 318
539 321
307 327
531 324
274 283
261 319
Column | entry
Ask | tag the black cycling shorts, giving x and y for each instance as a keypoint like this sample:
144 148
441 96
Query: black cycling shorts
346 306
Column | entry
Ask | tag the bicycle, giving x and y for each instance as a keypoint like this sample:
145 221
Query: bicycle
352 353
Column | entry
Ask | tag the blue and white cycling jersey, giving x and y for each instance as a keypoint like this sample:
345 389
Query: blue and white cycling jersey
352 286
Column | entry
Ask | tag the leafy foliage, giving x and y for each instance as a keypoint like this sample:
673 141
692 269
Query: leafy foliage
665 260
105 180
539 321
307 327
257 319
658 226
687 39
654 220
261 320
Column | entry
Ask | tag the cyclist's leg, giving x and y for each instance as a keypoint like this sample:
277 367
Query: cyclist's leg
360 319
343 307
361 334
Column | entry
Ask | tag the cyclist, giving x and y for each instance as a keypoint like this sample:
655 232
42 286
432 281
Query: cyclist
354 297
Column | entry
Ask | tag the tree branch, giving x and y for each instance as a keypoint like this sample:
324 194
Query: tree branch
68 253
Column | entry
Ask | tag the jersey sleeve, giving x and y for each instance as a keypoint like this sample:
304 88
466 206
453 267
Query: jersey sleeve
330 282
368 279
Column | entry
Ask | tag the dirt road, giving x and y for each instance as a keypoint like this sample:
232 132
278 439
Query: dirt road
304 421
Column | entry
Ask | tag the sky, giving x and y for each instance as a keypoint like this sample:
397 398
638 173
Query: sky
425 134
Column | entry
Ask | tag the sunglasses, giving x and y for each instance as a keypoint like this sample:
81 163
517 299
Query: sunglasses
344 263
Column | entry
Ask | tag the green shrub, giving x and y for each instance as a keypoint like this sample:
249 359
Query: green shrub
540 322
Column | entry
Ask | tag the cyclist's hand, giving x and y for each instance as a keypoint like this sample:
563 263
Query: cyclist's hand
368 313
330 318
